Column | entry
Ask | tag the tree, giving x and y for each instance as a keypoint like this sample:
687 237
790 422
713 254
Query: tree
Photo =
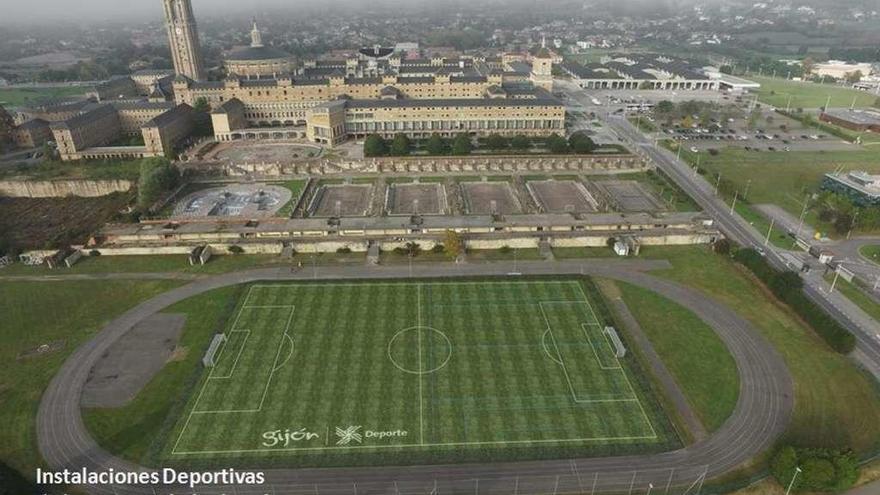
823 470
462 145
557 144
664 107
722 246
374 145
521 143
854 77
581 144
157 176
400 145
496 142
436 145
201 105
808 65
453 243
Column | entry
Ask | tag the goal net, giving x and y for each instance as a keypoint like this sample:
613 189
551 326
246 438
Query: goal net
208 359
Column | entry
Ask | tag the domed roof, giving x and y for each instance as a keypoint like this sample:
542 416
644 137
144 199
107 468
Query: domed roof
252 53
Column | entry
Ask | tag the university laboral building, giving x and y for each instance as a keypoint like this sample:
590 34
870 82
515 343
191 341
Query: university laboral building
265 95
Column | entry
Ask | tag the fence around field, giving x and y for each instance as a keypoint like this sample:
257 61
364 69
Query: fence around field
684 481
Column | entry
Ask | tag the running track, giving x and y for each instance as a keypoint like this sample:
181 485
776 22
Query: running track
761 415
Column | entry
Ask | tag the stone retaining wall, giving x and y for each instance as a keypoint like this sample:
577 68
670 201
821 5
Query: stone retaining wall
62 188
443 165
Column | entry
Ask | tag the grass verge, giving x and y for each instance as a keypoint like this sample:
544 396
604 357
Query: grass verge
690 349
65 314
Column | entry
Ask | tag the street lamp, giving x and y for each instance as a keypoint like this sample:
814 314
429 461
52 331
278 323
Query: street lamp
797 471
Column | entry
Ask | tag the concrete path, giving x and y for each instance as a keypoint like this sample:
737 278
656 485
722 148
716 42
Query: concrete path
762 413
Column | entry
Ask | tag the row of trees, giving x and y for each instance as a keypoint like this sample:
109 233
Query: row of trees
788 287
463 144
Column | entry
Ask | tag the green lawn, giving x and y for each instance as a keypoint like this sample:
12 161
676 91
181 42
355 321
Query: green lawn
690 349
836 404
153 264
15 97
809 95
871 253
780 178
96 170
33 314
122 430
425 363
296 188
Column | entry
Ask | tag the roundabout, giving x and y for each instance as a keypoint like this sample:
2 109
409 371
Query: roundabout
761 415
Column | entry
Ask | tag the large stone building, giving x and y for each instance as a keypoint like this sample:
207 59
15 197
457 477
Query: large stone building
93 133
183 38
266 95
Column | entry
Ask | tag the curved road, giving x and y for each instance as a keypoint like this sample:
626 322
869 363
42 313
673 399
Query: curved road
761 414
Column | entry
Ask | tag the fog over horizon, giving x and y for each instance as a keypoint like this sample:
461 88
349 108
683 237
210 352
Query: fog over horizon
51 11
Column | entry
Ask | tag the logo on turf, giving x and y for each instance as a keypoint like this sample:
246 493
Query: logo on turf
349 435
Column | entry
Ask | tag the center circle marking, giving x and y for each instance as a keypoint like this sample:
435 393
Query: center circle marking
421 334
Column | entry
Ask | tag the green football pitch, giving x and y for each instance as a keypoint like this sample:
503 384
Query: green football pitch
415 369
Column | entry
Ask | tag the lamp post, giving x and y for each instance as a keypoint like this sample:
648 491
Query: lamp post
797 471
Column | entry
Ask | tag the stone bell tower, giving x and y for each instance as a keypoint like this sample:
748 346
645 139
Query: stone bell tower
183 38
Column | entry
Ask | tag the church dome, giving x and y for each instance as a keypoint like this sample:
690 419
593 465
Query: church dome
258 60
254 53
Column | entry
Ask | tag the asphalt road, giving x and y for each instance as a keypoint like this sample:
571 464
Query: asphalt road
761 415
865 328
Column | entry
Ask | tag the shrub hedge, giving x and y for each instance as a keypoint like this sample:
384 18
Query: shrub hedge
788 287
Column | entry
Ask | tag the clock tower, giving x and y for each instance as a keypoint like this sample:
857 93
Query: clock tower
183 38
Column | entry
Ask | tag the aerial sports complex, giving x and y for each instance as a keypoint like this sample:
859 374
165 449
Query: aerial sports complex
466 378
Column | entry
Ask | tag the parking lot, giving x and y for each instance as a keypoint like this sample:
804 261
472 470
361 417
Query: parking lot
772 132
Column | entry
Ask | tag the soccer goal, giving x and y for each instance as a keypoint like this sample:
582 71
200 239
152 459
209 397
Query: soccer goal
211 354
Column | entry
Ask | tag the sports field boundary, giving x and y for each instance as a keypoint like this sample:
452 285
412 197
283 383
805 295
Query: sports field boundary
592 321
762 414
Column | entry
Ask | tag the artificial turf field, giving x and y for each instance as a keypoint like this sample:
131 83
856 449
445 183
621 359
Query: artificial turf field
416 369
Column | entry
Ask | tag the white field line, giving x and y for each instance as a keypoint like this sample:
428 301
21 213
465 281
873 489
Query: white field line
205 383
193 411
419 330
623 371
574 394
237 356
405 446
596 352
421 405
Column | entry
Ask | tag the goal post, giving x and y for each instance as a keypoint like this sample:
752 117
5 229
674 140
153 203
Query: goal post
211 353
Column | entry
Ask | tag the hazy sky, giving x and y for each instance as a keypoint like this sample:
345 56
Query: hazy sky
52 10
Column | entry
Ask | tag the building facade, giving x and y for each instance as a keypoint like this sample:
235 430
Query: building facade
183 38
